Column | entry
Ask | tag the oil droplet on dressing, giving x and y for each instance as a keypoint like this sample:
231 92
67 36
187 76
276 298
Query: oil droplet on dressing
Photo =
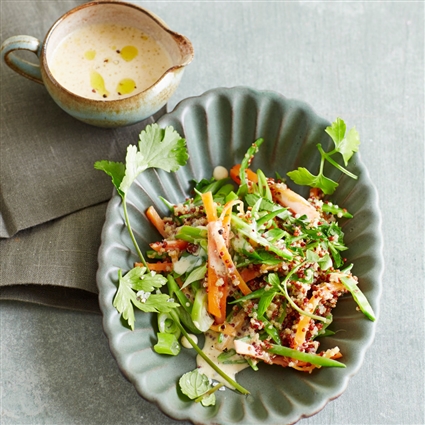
126 86
128 53
143 59
98 84
90 54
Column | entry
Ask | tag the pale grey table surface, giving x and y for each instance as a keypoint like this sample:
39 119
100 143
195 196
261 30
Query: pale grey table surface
363 61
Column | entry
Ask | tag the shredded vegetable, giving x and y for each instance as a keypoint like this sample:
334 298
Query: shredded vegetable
255 267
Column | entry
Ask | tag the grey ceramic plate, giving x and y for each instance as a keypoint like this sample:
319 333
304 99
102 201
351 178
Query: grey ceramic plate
219 126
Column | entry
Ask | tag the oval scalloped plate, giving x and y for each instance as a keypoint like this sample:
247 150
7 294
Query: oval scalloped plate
219 126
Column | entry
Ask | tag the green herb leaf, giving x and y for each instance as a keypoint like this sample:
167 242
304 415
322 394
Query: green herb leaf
303 177
126 298
116 170
194 384
134 165
265 301
157 303
345 144
139 280
195 275
337 131
350 145
162 148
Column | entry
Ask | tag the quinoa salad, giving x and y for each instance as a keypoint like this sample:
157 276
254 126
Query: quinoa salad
247 263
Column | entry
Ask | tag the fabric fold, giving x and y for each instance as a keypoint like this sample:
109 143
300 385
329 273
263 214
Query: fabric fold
55 263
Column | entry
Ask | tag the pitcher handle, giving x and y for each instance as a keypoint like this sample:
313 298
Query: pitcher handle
21 66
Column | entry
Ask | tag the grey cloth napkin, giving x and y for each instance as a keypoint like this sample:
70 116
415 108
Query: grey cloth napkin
52 200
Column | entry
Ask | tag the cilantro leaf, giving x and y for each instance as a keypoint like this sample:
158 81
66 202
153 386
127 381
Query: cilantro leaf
157 148
324 262
345 143
195 384
163 148
139 280
116 170
265 301
157 303
126 298
337 131
349 145
134 165
160 148
303 177
149 282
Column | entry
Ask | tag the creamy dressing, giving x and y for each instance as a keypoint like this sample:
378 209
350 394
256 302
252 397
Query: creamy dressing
212 353
185 343
108 61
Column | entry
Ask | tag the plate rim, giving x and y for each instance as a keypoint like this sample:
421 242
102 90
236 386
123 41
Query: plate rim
379 270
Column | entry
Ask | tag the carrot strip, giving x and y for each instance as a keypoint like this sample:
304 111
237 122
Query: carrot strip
248 274
210 209
156 220
226 216
161 266
234 174
233 327
304 322
165 246
217 294
228 262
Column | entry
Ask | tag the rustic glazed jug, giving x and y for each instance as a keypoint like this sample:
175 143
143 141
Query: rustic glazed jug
101 112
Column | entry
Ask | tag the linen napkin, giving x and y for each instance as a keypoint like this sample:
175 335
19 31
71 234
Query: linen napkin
52 200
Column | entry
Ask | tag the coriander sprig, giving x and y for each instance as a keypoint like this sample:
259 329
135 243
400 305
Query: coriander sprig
346 144
157 148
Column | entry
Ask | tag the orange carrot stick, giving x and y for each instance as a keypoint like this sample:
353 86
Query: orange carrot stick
156 220
224 254
249 273
165 246
210 208
226 217
234 174
217 294
305 321
161 266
